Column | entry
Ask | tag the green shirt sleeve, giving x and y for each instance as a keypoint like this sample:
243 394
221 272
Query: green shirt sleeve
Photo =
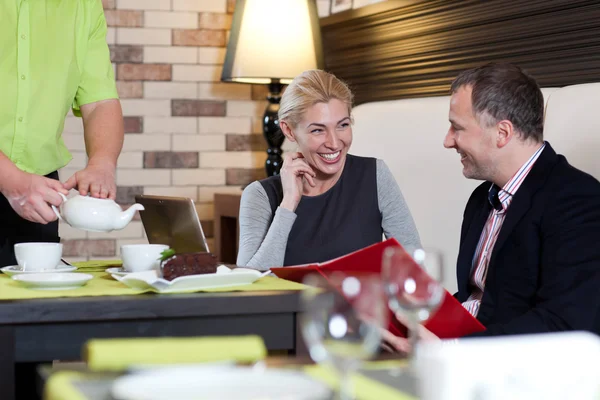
97 80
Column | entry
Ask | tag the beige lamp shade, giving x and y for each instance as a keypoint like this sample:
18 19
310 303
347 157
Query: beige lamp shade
272 41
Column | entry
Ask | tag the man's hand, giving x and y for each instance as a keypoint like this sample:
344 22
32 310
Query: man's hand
393 343
30 195
97 179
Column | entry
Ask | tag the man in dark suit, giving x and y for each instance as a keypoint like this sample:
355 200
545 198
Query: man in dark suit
529 258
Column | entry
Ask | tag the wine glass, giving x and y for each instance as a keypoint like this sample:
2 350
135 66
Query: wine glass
341 322
412 292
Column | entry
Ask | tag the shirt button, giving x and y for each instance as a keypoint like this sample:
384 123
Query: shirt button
23 77
20 119
23 36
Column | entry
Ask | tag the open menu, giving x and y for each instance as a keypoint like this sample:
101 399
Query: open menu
451 320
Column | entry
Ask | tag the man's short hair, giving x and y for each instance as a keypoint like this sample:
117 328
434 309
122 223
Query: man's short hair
503 91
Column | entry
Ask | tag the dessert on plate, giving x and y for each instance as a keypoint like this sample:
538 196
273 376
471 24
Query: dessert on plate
174 265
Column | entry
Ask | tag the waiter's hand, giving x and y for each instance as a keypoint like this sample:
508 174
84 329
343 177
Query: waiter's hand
30 196
97 179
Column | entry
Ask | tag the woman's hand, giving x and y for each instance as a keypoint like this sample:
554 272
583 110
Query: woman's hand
293 170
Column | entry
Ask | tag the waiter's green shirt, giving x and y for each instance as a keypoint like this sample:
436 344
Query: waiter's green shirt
53 56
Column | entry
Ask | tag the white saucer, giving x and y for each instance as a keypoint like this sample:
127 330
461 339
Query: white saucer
57 281
16 270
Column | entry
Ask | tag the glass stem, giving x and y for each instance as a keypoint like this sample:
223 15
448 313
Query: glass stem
413 338
346 390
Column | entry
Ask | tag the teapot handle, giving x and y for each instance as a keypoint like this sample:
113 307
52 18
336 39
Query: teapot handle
55 209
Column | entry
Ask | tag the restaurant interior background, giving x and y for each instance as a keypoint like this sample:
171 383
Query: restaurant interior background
190 135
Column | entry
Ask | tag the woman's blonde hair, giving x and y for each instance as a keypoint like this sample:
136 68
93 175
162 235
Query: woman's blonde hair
309 88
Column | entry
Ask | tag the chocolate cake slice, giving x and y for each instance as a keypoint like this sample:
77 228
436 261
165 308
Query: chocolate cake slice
188 264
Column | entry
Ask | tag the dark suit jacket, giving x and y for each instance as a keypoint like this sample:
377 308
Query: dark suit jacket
544 271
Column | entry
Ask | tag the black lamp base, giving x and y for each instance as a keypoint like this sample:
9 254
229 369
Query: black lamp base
271 131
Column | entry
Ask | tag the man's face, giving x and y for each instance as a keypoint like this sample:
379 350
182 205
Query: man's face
474 142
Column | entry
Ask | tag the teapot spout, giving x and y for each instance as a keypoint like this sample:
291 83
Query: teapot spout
126 216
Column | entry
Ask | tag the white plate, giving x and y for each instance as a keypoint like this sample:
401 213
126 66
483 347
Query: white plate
119 271
16 270
57 281
218 383
222 278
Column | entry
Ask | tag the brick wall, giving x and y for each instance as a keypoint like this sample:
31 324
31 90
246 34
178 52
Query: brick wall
186 133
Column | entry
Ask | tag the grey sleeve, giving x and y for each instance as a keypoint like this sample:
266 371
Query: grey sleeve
396 219
262 242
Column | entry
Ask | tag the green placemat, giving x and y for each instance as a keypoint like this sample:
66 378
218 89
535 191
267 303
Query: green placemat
104 285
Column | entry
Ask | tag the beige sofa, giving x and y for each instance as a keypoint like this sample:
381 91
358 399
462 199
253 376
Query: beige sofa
408 135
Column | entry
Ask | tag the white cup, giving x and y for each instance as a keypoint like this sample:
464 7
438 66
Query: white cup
38 256
141 257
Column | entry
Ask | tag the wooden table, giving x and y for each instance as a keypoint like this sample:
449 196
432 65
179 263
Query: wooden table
227 232
43 330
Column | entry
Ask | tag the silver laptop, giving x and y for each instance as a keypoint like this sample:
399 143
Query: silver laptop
172 221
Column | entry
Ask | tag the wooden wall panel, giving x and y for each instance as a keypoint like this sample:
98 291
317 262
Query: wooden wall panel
410 48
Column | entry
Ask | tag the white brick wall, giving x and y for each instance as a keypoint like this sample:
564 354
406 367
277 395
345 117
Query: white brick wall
241 125
170 90
73 125
224 91
211 55
170 124
74 141
218 6
65 231
198 143
142 142
176 191
169 19
171 55
245 108
149 36
232 159
197 73
111 36
198 177
151 108
133 230
131 159
206 194
144 4
143 177
79 159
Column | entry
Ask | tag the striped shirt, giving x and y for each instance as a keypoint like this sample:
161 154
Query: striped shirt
492 229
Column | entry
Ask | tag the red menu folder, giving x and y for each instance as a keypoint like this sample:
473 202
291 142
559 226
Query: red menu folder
451 320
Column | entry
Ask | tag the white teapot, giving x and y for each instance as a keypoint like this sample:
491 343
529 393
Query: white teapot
96 215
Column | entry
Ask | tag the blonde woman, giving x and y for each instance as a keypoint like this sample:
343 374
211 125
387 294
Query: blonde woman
326 202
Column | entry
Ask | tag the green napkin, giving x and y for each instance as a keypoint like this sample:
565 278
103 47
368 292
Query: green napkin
97 265
59 386
120 354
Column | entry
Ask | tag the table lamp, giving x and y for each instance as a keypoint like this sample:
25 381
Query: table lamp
270 43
